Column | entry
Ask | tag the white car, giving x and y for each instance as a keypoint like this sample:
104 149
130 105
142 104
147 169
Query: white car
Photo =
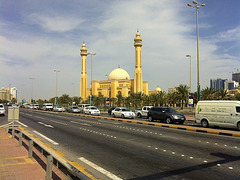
2 110
123 113
92 110
58 108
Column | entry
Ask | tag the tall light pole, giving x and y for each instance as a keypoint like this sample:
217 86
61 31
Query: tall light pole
91 100
197 6
32 89
190 72
56 97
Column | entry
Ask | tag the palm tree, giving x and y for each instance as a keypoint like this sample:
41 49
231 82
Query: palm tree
183 93
65 99
223 94
113 101
120 99
208 93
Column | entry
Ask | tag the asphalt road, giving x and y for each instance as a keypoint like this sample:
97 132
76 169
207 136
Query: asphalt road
135 151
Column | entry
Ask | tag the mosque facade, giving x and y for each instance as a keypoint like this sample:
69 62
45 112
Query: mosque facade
118 81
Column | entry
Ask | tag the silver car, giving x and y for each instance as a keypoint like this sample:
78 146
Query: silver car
123 113
2 110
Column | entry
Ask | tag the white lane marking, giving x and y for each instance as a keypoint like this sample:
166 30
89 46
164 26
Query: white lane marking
22 124
59 122
46 125
48 139
84 124
100 169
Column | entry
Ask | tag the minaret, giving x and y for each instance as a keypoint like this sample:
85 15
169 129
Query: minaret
83 81
138 81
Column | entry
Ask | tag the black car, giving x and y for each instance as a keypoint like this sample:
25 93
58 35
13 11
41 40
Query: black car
165 114
110 110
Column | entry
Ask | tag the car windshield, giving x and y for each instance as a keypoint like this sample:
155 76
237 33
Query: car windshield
93 108
75 107
125 109
1 106
59 106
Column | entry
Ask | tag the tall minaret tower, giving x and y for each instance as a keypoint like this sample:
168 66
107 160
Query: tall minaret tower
83 81
138 81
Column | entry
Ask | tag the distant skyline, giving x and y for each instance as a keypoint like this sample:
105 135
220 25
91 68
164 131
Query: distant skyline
40 36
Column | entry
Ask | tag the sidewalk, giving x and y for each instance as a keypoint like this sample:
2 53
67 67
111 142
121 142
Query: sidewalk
15 164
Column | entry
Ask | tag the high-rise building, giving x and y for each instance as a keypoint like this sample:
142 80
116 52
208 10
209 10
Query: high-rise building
236 77
217 84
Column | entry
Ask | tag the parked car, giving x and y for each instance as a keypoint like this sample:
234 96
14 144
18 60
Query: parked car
58 108
2 110
110 110
92 110
165 114
123 113
218 113
48 106
143 112
73 109
82 107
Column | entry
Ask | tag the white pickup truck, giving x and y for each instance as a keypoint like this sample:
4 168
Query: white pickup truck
143 112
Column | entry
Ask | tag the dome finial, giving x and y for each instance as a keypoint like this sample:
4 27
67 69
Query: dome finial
138 30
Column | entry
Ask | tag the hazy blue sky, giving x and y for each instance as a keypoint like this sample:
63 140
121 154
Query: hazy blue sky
39 36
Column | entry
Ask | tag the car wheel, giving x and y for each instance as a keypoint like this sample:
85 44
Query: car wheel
139 115
181 122
168 120
204 123
238 126
113 115
122 116
150 118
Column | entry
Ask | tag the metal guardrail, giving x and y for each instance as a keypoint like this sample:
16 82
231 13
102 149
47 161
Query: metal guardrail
65 166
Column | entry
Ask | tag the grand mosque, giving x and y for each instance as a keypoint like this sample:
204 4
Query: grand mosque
119 81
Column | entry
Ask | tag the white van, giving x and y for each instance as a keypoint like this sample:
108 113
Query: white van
81 107
218 113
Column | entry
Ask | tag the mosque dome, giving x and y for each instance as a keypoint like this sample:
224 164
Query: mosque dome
118 73
158 89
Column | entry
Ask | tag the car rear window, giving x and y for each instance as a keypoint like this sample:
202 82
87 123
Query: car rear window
1 106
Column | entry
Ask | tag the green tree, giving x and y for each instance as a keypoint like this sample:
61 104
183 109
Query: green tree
237 96
120 100
183 93
208 94
223 94
65 99
113 101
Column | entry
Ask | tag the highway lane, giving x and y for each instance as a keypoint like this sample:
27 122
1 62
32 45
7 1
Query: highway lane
135 151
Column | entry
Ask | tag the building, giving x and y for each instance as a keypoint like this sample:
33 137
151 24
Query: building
14 93
229 85
236 77
5 94
217 84
119 81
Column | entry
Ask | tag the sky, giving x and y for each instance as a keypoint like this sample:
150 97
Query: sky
38 37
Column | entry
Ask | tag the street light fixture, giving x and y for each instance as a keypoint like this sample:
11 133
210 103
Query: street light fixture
91 100
190 73
197 6
56 97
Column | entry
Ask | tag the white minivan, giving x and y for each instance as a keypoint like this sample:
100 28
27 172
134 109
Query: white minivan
218 113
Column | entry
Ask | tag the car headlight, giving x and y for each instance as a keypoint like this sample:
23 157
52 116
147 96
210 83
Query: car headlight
175 116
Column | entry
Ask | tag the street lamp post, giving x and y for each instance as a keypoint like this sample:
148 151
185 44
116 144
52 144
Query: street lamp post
92 54
190 73
197 6
32 90
56 98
